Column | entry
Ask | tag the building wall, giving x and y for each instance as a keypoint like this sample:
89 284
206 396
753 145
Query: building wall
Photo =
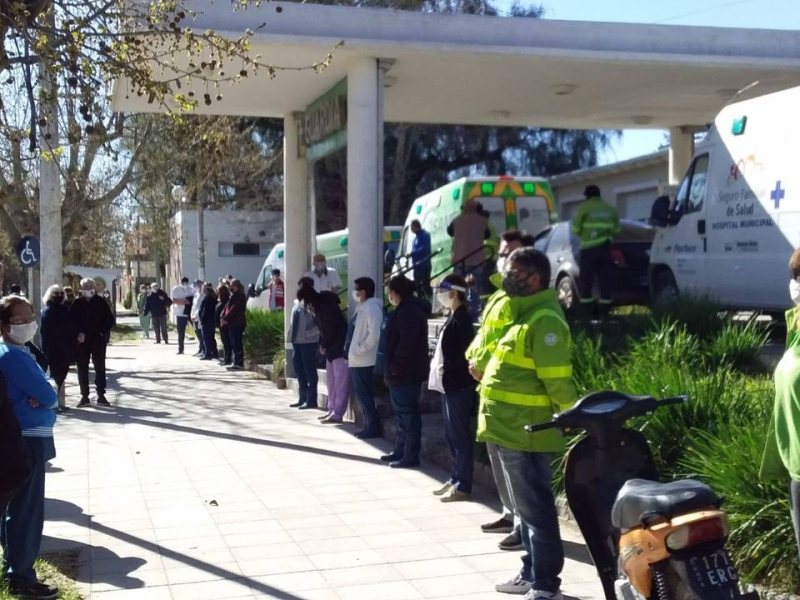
632 190
231 240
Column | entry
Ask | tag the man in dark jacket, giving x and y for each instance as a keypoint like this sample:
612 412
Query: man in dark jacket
157 305
234 317
405 368
15 467
93 320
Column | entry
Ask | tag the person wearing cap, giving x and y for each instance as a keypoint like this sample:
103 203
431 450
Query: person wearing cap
325 278
450 377
595 224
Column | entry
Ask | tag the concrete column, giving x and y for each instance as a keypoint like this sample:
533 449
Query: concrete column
364 162
681 150
295 211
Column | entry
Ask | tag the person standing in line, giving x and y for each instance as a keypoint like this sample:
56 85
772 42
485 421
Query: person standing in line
234 317
223 295
197 302
421 258
325 278
182 299
93 319
362 352
275 289
107 297
157 305
59 339
15 467
208 322
332 335
450 377
34 400
69 295
144 320
529 390
304 337
595 224
497 318
405 368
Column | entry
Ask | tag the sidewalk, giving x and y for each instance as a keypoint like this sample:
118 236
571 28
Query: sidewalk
203 484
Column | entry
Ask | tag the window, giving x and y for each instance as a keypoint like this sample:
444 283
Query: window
560 240
243 249
692 192
542 240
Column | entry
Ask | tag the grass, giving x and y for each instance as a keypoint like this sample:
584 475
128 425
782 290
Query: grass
59 570
125 333
263 337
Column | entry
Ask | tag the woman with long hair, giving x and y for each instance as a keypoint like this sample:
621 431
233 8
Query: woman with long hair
208 323
304 337
223 295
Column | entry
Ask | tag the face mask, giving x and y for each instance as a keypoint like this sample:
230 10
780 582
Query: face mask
319 267
88 293
356 297
794 291
58 299
445 299
501 264
394 300
107 296
515 287
22 334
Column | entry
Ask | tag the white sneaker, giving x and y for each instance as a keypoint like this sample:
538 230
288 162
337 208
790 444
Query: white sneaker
517 585
540 595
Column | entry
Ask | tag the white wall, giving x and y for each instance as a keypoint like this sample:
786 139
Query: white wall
223 229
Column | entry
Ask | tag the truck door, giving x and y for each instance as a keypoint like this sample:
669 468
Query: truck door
689 235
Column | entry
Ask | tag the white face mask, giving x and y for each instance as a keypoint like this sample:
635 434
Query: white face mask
320 266
394 300
445 299
88 293
356 297
501 264
794 291
22 334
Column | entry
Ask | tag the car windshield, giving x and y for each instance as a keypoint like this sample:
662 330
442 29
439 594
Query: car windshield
636 232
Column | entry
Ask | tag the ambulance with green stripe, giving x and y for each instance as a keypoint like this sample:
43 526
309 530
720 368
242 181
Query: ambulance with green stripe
514 203
332 245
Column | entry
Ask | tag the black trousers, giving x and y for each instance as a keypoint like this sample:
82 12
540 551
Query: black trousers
58 371
236 336
93 348
180 324
209 341
596 263
227 355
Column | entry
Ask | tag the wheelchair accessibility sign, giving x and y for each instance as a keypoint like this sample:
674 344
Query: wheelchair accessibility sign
28 251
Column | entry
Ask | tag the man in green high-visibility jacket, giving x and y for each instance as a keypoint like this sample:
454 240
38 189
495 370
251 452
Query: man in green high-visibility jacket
596 224
527 380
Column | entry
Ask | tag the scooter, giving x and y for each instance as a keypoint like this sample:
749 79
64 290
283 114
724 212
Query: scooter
648 540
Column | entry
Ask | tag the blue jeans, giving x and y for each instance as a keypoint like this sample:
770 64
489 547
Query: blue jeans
405 402
210 341
530 479
180 325
304 360
361 378
198 332
459 428
23 520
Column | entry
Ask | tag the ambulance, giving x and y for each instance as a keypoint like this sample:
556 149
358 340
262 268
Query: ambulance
735 220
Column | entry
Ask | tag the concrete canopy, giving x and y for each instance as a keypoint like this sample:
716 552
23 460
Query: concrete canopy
499 71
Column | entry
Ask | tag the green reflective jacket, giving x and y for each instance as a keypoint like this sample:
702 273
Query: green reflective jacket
529 377
595 222
782 452
497 317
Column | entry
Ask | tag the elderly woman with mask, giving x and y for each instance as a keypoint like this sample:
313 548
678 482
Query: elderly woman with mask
33 400
59 338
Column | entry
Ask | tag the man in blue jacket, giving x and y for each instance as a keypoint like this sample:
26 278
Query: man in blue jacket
421 258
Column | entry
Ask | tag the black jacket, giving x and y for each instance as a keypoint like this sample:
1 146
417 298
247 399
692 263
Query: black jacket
218 313
93 317
406 355
15 466
157 304
59 335
456 337
235 312
332 325
207 308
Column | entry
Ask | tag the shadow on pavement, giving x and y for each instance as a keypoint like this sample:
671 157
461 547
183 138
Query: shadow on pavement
577 552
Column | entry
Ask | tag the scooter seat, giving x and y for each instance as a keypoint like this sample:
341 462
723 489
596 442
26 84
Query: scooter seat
640 500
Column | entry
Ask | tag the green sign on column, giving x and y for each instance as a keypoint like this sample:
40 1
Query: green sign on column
325 123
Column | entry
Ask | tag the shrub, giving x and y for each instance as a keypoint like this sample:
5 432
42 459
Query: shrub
263 336
127 302
762 539
279 365
737 345
702 316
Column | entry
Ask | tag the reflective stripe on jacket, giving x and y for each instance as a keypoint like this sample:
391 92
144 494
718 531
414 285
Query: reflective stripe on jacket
497 317
595 222
529 377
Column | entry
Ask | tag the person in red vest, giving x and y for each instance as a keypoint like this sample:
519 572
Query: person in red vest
275 288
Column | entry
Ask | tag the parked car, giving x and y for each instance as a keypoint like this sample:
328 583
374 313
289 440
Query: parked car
631 253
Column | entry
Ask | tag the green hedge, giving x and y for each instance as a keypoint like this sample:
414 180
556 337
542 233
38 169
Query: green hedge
694 348
263 337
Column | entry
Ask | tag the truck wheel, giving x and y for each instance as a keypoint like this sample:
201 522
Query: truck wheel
665 288
567 294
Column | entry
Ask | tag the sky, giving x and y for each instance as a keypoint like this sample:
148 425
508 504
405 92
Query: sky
758 14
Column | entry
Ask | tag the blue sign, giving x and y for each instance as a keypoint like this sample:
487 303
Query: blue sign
28 251
778 194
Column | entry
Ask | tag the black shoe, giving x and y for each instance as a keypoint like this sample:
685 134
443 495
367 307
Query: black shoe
101 401
83 402
307 406
235 368
63 409
158 342
206 358
502 525
368 434
296 405
391 457
404 464
30 591
512 542
166 342
197 354
180 351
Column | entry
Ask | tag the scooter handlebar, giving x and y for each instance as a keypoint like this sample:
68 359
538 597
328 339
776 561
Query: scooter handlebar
669 401
540 427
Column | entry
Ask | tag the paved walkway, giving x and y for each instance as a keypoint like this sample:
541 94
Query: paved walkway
202 484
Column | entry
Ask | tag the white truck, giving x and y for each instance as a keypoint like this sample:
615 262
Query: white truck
735 220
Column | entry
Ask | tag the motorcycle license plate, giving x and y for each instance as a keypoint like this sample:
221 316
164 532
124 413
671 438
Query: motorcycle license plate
713 571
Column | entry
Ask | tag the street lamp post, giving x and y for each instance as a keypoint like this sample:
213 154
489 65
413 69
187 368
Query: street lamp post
179 195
